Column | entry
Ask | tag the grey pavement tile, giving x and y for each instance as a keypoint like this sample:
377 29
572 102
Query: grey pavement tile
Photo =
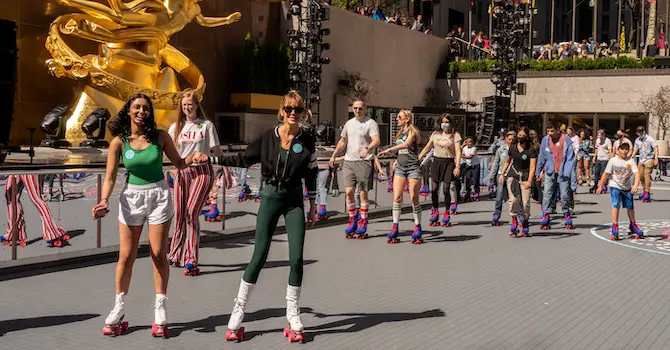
469 286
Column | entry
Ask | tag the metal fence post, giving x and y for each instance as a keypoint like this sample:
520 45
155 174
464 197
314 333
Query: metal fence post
98 224
15 215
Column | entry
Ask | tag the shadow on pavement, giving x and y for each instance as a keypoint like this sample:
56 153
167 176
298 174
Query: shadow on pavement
459 238
356 322
556 234
241 267
72 234
40 322
209 324
237 214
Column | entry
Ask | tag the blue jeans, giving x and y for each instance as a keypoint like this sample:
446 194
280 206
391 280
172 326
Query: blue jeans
500 193
548 194
573 178
322 186
241 174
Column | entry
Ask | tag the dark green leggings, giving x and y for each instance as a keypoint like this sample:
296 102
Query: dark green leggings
275 203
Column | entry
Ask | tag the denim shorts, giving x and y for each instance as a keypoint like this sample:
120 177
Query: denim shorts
410 172
620 198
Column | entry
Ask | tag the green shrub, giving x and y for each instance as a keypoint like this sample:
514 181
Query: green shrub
621 62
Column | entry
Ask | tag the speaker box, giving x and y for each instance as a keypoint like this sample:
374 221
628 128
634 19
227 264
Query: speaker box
8 68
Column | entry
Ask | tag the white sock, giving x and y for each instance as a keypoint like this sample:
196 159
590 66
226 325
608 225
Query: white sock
416 212
396 212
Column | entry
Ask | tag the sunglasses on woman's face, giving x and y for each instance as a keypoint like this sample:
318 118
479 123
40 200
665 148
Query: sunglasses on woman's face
298 109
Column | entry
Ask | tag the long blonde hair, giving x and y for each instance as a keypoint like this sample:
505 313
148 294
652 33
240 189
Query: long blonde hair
412 129
181 120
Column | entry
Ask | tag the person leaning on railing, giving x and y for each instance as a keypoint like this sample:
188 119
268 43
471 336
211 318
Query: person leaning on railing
145 198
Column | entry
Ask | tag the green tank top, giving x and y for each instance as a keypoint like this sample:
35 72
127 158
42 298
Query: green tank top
144 166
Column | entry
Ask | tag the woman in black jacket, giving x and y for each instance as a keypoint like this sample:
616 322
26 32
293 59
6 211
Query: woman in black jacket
287 156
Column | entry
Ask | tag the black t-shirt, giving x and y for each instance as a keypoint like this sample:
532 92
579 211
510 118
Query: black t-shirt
520 162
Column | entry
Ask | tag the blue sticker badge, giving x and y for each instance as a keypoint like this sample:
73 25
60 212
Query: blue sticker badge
130 154
297 148
524 157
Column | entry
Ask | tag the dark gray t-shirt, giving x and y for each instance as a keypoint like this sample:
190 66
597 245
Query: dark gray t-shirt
407 157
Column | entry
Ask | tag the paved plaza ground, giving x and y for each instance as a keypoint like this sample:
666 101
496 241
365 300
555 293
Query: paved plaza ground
470 286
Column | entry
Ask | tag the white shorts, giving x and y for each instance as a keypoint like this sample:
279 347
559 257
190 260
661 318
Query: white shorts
150 202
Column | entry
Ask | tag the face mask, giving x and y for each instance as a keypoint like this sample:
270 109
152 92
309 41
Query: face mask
445 126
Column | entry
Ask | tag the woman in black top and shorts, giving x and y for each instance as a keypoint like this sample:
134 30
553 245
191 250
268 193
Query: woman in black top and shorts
517 174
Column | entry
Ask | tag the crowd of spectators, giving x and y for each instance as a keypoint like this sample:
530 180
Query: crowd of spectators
570 49
397 18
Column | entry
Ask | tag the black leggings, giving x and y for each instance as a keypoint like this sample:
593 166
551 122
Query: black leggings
442 171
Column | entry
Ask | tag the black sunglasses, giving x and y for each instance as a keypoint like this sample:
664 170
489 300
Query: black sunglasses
289 109
357 108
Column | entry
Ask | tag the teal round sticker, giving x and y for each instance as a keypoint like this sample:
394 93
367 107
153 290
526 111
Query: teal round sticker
130 154
297 148
524 157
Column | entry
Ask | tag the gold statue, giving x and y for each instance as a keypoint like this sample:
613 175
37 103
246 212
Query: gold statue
133 38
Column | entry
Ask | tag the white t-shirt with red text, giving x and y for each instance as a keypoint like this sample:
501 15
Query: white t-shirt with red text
197 136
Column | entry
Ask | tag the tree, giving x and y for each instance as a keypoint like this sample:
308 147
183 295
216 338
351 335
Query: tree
355 86
658 107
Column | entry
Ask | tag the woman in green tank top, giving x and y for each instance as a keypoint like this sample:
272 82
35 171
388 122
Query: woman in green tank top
145 197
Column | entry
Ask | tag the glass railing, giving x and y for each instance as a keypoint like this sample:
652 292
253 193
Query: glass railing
56 196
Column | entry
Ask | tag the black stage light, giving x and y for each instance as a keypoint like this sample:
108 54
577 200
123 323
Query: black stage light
295 7
96 121
53 125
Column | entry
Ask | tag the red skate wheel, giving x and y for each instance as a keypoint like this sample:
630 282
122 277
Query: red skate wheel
286 332
7 243
58 243
124 325
22 243
186 273
66 237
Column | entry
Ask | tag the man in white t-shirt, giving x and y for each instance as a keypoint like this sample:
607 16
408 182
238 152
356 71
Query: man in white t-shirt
623 169
360 136
603 148
646 147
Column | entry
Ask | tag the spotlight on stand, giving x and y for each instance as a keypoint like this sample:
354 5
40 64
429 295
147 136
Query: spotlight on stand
53 125
96 121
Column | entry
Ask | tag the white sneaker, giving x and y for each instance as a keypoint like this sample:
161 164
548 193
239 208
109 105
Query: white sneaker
160 313
237 315
292 309
117 312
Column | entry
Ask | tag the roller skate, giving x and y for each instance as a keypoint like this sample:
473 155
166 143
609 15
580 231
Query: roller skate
361 232
350 231
78 176
258 198
191 269
160 326
475 197
114 323
614 236
635 230
235 332
389 189
525 230
305 194
245 194
545 222
446 218
514 227
8 242
604 189
378 179
392 237
406 189
434 217
568 222
645 197
496 220
295 329
453 209
213 215
416 236
170 180
322 213
425 191
57 242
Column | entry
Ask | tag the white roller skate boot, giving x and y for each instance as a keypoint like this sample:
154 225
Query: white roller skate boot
160 326
294 331
114 323
235 332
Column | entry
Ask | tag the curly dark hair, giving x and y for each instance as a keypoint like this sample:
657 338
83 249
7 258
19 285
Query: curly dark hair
120 125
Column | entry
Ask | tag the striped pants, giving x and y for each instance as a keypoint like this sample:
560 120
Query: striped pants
190 192
50 230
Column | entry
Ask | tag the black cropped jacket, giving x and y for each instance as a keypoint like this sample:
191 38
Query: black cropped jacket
300 162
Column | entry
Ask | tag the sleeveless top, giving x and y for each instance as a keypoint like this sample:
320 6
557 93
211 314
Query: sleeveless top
407 157
144 166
